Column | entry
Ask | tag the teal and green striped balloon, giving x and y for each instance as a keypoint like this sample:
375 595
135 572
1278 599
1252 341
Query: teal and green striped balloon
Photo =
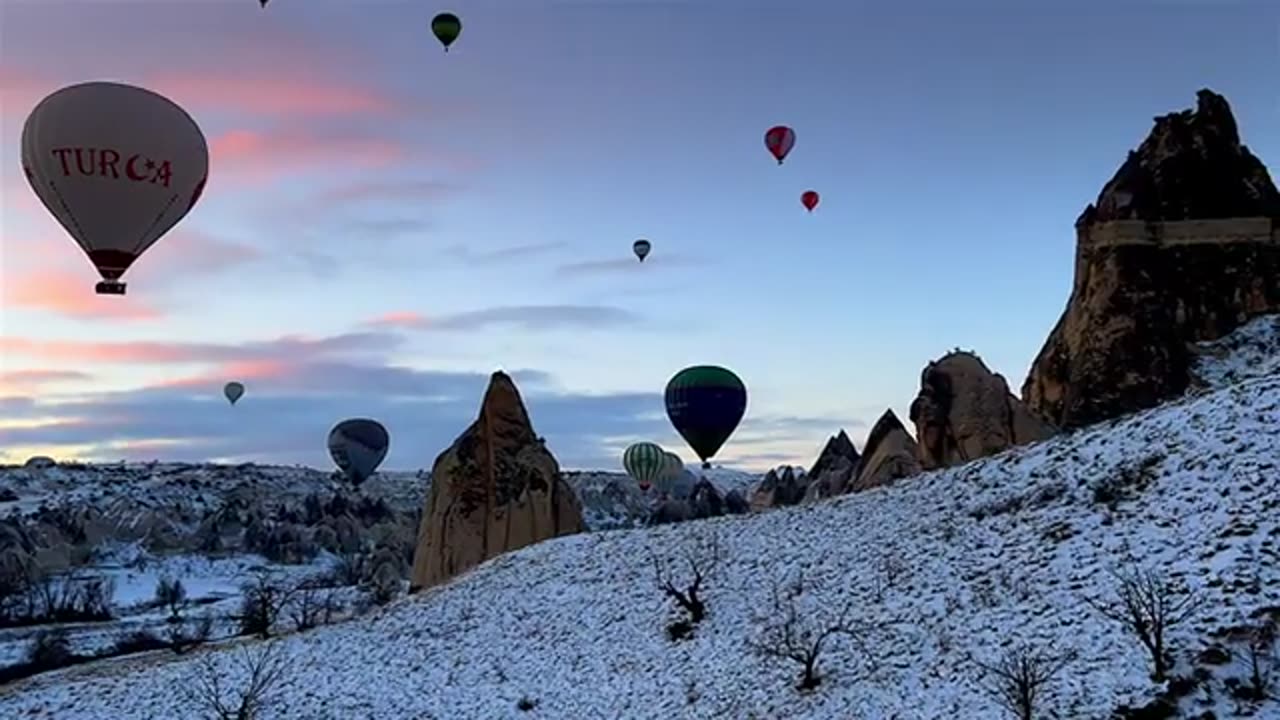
645 462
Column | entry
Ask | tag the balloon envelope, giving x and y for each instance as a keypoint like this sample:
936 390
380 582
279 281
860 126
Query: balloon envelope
117 166
641 248
810 200
358 446
233 391
446 27
705 404
672 468
645 462
779 140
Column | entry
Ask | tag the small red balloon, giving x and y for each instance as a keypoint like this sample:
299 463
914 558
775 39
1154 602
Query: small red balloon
779 140
809 199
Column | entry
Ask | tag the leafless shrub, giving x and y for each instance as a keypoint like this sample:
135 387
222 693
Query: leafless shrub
787 636
263 598
261 669
1148 605
1260 658
1017 680
172 595
702 555
184 634
313 603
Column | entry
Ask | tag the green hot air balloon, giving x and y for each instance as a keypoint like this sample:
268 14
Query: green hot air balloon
672 467
233 391
705 404
446 27
645 462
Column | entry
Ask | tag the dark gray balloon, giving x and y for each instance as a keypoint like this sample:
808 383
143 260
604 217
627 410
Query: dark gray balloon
358 446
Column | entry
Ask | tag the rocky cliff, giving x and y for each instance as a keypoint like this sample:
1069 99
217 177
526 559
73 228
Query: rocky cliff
497 488
1181 246
964 411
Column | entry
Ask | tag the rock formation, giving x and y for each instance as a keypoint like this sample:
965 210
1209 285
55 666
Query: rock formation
964 412
834 468
497 488
889 454
779 489
1182 246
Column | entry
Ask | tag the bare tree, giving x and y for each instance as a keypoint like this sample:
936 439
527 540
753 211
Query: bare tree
802 640
1018 678
263 598
702 555
1260 646
171 594
313 603
1148 604
262 668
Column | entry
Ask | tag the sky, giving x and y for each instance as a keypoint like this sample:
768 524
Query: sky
386 224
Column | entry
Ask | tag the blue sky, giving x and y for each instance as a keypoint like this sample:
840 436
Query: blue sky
445 215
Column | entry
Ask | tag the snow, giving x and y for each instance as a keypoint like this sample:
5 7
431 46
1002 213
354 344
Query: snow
1006 548
1252 351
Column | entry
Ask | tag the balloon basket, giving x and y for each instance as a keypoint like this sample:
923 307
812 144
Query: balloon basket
109 287
706 465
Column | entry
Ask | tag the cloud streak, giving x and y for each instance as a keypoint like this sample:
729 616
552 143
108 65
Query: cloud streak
529 317
70 293
627 264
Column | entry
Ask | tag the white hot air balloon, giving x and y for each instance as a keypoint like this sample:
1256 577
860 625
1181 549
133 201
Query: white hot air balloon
117 165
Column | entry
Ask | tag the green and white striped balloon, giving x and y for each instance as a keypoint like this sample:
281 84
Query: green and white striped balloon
645 462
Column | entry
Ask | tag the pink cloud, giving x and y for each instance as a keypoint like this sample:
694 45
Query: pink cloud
288 347
265 156
243 371
400 319
71 293
272 90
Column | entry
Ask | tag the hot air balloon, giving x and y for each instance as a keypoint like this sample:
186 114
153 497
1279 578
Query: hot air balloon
447 27
644 462
358 446
705 404
641 248
672 467
117 165
809 199
233 390
779 140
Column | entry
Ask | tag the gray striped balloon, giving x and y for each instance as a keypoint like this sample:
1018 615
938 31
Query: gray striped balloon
645 462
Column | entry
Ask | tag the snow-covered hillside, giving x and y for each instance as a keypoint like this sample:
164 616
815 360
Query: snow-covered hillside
946 568
1252 351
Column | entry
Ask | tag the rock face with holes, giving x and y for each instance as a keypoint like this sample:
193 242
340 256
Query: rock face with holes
964 412
889 454
497 488
1181 246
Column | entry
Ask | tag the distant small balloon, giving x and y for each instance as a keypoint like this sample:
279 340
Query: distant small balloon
810 200
641 248
779 140
446 27
233 391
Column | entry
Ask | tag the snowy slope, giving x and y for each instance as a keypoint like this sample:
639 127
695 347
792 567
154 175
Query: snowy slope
1008 547
1251 351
